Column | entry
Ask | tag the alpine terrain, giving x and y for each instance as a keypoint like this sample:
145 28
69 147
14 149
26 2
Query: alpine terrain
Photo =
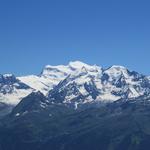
75 107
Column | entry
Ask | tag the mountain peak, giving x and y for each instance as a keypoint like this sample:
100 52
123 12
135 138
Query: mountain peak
7 78
8 75
60 72
117 71
78 64
74 64
118 67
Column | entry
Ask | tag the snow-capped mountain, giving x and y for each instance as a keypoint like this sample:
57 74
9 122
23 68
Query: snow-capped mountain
12 90
76 83
52 75
61 109
89 84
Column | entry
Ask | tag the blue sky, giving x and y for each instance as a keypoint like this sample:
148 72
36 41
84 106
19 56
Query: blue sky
34 33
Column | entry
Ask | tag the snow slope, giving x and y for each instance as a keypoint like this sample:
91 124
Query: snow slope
12 90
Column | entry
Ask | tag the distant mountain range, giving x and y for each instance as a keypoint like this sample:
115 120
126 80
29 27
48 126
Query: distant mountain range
75 107
92 84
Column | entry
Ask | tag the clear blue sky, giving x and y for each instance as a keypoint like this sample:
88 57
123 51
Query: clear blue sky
34 33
